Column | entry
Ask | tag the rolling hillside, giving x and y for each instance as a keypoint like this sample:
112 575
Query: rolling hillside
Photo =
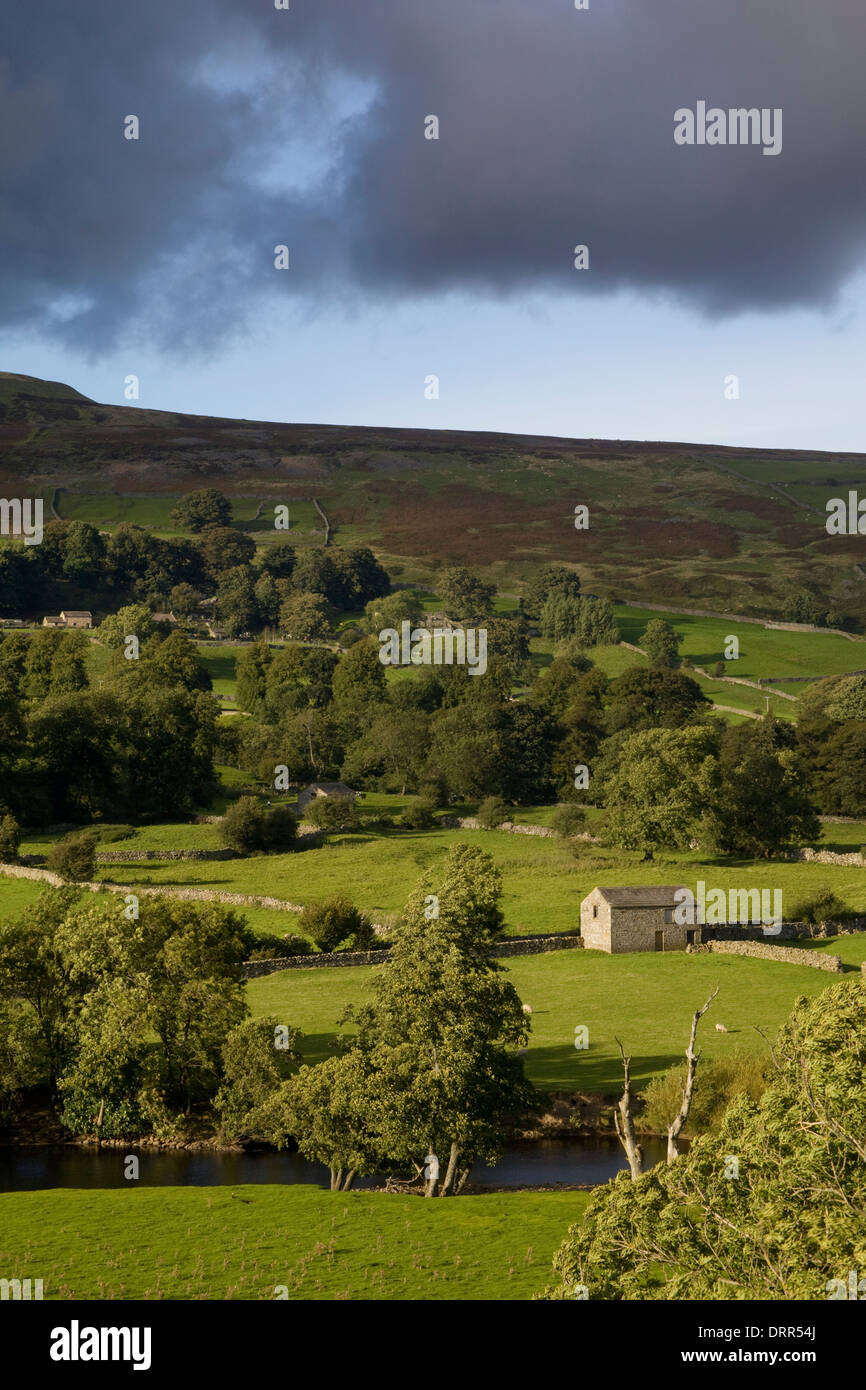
690 524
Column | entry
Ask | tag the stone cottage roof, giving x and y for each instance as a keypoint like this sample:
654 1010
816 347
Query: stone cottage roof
654 896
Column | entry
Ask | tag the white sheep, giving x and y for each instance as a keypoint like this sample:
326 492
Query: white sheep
527 1008
720 1028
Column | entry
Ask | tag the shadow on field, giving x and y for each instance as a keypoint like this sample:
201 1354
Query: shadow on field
318 1047
563 1068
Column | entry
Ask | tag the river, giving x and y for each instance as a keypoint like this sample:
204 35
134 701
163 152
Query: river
582 1160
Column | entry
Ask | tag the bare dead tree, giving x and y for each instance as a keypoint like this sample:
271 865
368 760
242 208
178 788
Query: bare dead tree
623 1119
692 1058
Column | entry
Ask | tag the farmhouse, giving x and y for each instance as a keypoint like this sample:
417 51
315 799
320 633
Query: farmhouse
76 617
70 617
618 920
323 789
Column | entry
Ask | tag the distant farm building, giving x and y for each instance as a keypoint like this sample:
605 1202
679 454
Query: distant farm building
323 789
164 618
618 920
70 617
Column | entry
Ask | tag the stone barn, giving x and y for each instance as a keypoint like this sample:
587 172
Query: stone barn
618 920
76 617
323 789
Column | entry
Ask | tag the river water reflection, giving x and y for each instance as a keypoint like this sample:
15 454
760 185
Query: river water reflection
585 1160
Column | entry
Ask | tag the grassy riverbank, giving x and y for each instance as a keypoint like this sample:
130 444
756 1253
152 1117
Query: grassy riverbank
245 1242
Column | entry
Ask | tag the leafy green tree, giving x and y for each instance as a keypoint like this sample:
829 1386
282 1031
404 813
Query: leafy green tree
835 764
250 828
251 670
568 820
252 1071
75 765
848 700
331 1110
432 1063
134 620
657 794
176 661
359 679
10 839
587 619
466 750
278 560
332 922
661 644
222 548
314 573
418 814
202 508
54 664
760 802
641 699
529 737
787 1224
804 605
552 579
21 1062
185 600
390 752
305 617
236 603
74 857
83 553
492 812
441 1031
191 955
508 648
464 594
358 578
35 976
168 736
298 678
559 685
333 813
718 1082
391 610
267 601
101 1087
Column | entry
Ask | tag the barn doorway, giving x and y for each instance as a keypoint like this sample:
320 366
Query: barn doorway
660 940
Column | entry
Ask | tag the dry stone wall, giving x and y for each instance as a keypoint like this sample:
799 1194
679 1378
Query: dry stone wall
513 946
828 856
789 955
143 856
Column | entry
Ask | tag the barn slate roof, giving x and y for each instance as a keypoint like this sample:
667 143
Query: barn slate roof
651 896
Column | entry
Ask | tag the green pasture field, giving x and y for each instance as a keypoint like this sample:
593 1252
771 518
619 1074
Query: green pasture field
763 651
543 880
646 1000
241 1243
220 664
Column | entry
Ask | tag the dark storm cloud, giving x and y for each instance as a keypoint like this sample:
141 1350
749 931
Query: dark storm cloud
305 126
